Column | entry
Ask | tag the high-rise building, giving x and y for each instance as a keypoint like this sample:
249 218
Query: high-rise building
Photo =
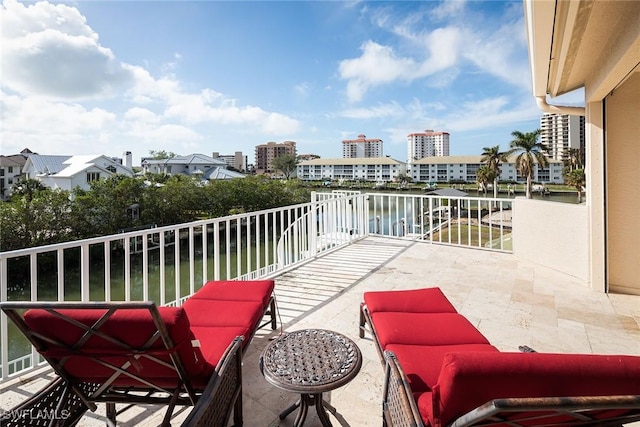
427 144
561 132
236 161
361 147
265 153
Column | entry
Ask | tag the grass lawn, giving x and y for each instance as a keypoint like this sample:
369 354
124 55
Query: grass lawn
475 236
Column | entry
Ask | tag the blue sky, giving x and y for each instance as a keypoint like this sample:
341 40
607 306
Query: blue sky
104 77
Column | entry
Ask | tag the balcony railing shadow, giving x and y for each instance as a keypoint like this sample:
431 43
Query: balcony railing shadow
512 301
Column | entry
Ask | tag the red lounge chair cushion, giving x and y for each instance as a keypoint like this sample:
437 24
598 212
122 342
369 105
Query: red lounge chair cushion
214 340
133 327
421 364
470 379
427 300
425 329
213 313
237 290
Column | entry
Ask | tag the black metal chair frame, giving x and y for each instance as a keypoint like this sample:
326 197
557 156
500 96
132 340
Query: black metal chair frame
400 409
69 399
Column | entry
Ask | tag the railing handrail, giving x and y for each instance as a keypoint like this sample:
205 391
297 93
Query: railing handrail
245 246
138 233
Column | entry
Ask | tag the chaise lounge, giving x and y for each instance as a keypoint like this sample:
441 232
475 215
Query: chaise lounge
441 371
136 352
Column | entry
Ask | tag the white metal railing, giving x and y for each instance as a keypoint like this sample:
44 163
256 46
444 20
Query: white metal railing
167 264
334 220
481 223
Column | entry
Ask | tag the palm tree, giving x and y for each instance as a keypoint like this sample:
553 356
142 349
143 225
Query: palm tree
529 151
574 159
492 157
484 176
576 178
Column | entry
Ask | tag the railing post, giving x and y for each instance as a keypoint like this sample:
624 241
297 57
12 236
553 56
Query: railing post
4 330
314 215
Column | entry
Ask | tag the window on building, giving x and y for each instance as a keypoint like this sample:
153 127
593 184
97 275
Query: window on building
10 169
111 168
93 176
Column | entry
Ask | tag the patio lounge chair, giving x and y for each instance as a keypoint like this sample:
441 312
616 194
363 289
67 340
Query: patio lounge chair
136 352
441 371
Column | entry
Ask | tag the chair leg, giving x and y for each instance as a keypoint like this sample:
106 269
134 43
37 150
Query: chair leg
111 412
274 322
237 411
362 321
166 422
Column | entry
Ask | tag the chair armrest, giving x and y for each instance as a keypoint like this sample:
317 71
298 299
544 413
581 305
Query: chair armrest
569 411
222 393
398 405
365 317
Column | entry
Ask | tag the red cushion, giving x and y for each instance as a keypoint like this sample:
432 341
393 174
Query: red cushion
470 379
214 341
426 300
421 364
237 290
425 329
203 312
132 327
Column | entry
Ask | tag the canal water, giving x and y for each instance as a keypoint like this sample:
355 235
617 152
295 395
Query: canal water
47 284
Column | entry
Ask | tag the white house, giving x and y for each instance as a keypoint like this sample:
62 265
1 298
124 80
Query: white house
364 168
465 168
205 167
69 172
10 171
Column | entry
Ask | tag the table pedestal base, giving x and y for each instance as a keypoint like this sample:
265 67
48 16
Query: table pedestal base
305 401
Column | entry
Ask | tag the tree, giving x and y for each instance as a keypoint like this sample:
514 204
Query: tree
35 218
484 176
492 157
528 151
27 188
577 179
285 163
162 154
176 201
575 159
106 207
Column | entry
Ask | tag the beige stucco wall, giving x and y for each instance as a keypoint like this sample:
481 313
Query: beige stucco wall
623 186
552 234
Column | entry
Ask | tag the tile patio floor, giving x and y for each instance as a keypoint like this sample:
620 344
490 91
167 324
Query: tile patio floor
511 301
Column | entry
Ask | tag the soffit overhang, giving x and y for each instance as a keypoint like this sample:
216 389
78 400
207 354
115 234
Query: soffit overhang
581 43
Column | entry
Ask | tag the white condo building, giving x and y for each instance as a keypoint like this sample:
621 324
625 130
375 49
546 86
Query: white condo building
361 147
427 144
465 168
561 132
380 169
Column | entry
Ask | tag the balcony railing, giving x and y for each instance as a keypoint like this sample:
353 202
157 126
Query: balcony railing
167 264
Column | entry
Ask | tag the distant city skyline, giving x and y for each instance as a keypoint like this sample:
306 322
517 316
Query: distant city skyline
203 77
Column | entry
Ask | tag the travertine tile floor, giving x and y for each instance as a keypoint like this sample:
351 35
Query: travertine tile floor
511 301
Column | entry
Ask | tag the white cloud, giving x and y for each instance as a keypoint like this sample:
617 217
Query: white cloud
52 62
464 44
50 51
377 65
497 53
302 89
387 110
447 9
60 127
490 112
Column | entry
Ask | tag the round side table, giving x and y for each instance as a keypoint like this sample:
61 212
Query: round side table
310 362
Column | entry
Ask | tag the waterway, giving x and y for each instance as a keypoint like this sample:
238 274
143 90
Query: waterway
228 264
